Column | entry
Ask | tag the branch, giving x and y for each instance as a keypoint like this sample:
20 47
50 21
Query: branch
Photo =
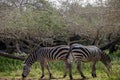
107 46
4 54
96 39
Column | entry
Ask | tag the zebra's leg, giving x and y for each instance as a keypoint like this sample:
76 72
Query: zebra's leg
42 67
94 69
50 74
65 69
70 70
68 66
79 69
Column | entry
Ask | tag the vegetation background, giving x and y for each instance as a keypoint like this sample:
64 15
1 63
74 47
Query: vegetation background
26 24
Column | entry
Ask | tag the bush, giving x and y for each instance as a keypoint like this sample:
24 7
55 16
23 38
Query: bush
117 53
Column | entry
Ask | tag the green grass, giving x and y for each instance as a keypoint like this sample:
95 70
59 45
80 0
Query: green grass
12 69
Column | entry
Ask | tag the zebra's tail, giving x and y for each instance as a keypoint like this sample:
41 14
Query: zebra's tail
69 56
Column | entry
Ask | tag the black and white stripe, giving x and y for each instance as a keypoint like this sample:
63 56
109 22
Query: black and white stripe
92 54
45 55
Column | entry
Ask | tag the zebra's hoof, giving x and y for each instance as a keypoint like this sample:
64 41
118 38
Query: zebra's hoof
71 78
42 77
51 77
94 75
64 76
83 77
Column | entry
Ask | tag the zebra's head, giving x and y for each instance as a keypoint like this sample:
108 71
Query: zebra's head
106 60
26 70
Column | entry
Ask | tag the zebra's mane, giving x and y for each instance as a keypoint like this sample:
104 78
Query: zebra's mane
30 59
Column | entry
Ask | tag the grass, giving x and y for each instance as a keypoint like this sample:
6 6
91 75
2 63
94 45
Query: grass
11 69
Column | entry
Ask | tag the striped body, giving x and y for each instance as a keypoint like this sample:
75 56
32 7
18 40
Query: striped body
53 53
86 53
45 55
81 53
48 54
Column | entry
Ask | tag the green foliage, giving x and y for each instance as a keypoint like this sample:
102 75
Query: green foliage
117 53
8 64
115 72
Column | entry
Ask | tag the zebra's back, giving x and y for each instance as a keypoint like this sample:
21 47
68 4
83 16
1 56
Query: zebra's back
86 53
52 53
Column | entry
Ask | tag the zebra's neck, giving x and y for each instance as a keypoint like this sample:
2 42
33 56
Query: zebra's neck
103 57
31 59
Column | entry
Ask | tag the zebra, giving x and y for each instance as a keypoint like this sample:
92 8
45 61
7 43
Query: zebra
45 55
81 53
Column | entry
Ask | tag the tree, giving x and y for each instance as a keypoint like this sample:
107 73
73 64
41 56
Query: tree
27 25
